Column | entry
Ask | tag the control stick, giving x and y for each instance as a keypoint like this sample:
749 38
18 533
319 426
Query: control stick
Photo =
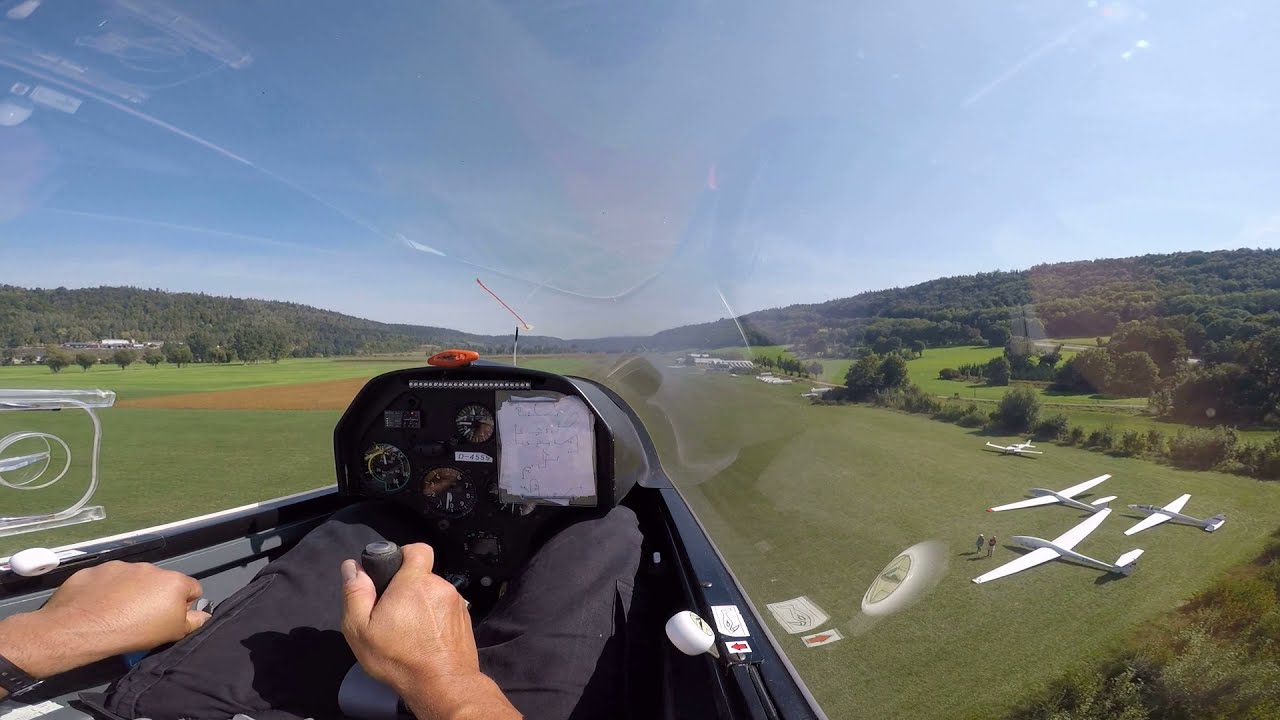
381 561
360 696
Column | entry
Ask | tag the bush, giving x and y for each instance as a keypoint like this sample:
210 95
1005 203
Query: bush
1075 435
949 412
972 420
1196 449
949 374
1018 409
1155 442
998 371
1132 443
1103 439
1240 601
1052 428
908 399
1266 463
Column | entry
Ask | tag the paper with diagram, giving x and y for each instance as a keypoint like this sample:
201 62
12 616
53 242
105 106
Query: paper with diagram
547 448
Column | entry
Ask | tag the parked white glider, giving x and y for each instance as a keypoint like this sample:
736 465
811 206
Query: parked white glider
1049 497
1016 448
1042 551
1156 515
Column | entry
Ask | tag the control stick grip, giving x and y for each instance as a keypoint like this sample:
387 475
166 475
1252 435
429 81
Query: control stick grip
381 561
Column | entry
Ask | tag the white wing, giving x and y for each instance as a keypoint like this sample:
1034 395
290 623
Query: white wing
998 447
1033 502
1075 490
1030 560
1149 521
1030 452
1072 537
1177 505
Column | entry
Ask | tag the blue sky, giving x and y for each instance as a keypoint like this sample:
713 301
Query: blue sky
620 168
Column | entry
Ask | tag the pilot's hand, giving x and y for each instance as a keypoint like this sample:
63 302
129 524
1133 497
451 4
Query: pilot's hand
126 607
106 610
417 638
418 629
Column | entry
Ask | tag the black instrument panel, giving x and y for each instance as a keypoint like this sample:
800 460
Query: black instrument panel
428 440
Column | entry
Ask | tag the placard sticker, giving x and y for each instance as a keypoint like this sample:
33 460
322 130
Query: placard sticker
740 647
472 457
729 621
825 637
798 615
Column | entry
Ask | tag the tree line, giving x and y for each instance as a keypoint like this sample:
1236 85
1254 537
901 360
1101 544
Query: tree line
43 317
1078 299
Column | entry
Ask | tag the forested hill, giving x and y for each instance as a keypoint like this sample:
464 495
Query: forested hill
1075 299
46 317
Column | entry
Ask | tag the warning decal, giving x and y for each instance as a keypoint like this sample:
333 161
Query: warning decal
729 621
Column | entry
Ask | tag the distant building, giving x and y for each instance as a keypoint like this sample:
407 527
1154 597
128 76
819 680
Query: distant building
710 362
113 343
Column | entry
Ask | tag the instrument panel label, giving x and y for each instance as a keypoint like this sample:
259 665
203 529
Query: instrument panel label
472 457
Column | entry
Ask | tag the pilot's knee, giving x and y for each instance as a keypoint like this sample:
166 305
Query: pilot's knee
385 521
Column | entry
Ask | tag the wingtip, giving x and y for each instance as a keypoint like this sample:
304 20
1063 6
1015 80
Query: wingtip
991 509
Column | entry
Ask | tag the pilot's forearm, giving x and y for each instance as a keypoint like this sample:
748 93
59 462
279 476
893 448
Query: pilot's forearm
474 697
42 645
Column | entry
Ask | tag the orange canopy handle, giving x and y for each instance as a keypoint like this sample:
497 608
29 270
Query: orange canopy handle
453 358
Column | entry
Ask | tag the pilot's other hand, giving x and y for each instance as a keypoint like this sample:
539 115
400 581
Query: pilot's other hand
106 610
126 607
418 629
417 638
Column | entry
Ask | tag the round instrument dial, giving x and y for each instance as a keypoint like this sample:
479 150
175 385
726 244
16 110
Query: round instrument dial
474 423
387 467
448 491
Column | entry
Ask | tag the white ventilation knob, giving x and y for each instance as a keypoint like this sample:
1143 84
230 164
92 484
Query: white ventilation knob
34 561
690 633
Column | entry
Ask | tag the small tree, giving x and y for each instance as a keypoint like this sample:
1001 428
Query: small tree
917 347
153 357
124 358
1136 374
56 360
180 355
893 372
997 336
1018 409
864 378
86 360
998 371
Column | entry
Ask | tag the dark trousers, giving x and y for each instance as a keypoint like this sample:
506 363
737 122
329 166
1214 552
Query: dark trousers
274 651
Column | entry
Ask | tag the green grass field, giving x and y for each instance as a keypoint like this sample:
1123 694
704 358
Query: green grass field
924 370
142 381
802 500
814 501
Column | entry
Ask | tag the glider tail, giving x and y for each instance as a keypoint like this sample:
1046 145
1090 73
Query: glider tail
1127 562
1102 501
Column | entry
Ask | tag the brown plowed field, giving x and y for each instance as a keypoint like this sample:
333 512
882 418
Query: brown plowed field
328 395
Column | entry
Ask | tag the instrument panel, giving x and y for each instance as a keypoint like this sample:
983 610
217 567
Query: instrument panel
432 440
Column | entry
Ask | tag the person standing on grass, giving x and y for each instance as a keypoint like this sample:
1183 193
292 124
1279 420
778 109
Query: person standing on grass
981 541
991 545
